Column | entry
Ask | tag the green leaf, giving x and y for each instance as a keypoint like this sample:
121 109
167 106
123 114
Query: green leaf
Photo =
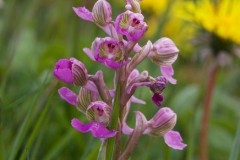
235 151
185 101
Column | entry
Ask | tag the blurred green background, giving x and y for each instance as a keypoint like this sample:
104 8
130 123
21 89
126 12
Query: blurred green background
35 122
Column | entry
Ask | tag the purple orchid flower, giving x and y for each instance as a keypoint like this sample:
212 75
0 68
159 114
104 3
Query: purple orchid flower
131 25
107 51
101 15
98 111
98 130
161 124
72 71
165 53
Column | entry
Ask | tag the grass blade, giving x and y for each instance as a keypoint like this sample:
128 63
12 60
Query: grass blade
236 145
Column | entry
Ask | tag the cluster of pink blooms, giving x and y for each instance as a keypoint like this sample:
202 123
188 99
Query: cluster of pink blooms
120 51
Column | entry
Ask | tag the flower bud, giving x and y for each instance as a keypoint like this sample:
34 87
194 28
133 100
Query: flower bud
99 111
102 13
139 57
133 5
162 122
164 52
80 76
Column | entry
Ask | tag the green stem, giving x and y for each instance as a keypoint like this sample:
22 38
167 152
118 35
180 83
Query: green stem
102 150
114 121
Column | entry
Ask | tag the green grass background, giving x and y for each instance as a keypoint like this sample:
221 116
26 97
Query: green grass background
35 122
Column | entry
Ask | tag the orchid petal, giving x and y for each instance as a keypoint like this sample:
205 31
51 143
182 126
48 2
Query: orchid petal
137 100
112 64
157 99
83 13
126 129
138 84
91 86
168 72
68 95
174 140
97 129
63 71
89 53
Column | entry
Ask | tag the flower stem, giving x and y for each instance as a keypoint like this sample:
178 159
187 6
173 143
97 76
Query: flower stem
102 150
114 121
203 155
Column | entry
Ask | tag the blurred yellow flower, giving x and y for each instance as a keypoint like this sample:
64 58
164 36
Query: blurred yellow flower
156 7
165 20
221 18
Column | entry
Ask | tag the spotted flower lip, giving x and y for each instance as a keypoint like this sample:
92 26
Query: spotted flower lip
131 25
107 51
99 111
97 129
